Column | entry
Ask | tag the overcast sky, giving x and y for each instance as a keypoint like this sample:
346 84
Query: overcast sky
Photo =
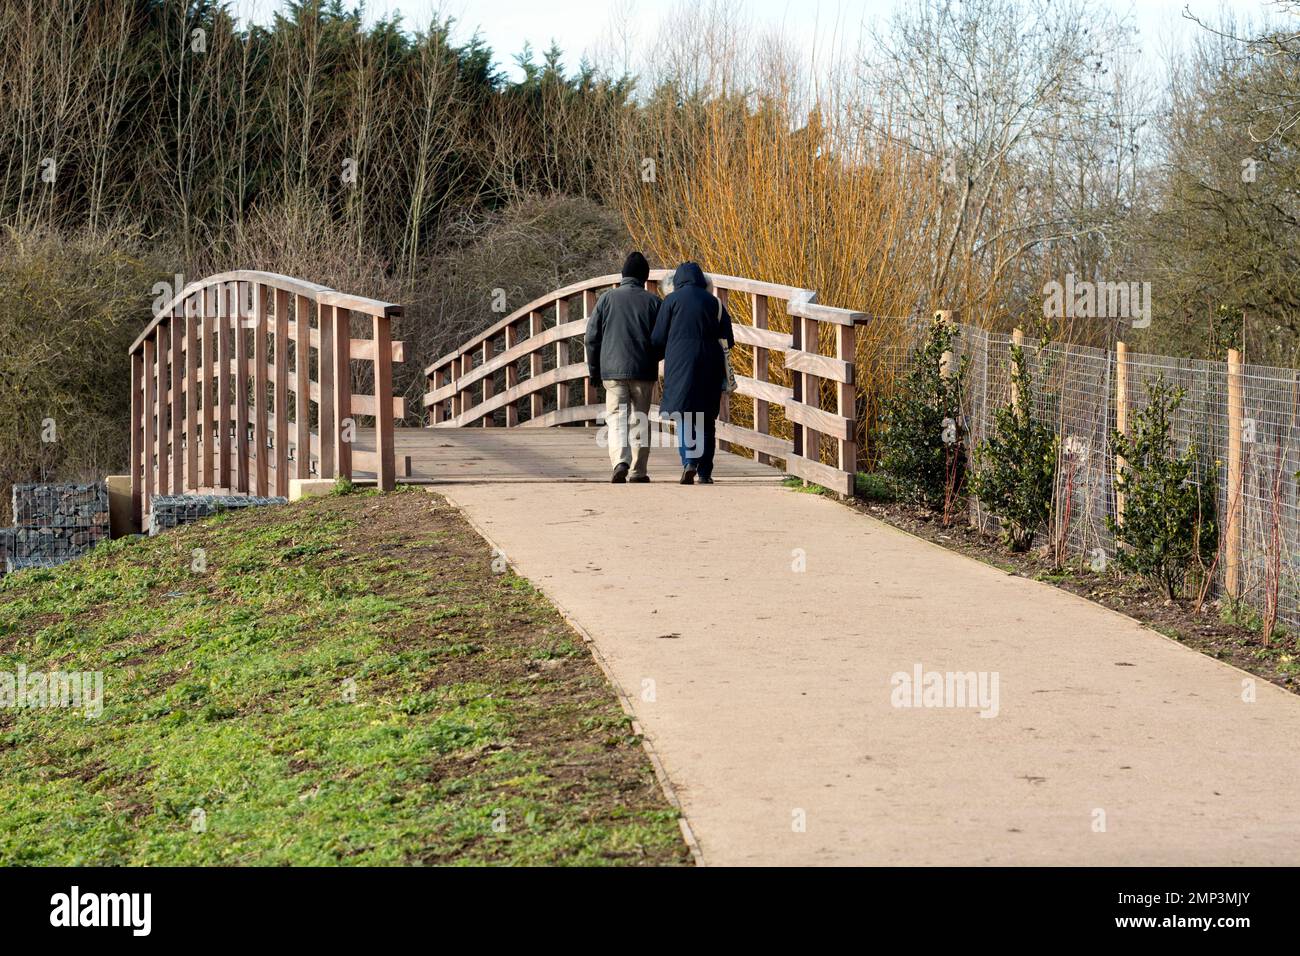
580 26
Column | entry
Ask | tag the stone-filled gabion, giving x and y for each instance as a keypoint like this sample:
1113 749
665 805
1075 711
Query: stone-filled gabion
61 506
54 523
171 511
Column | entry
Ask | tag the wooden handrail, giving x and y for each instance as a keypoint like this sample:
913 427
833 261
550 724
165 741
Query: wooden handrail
462 385
214 373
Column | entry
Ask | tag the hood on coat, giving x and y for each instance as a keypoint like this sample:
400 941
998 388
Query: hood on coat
690 273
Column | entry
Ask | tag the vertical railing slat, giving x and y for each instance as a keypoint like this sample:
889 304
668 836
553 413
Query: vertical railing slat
846 397
281 392
137 435
162 347
326 427
724 403
512 374
761 373
302 385
261 374
535 364
177 400
224 447
206 361
383 340
343 392
590 389
192 309
561 354
150 410
811 390
489 385
241 442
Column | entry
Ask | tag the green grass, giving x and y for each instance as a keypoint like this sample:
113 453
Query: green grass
799 486
874 486
347 682
869 486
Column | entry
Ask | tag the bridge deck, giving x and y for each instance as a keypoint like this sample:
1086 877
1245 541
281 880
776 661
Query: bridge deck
542 454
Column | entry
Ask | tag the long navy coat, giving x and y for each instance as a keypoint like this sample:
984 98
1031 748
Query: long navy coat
690 322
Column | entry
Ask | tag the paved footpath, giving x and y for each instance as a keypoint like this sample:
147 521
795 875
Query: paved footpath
767 691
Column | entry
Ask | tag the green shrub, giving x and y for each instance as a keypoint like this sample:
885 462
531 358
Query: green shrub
873 486
923 439
1169 519
1015 469
70 306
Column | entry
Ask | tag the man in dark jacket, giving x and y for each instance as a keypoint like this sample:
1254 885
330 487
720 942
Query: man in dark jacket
687 333
621 357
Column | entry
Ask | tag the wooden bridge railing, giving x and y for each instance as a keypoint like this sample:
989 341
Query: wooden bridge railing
244 380
530 369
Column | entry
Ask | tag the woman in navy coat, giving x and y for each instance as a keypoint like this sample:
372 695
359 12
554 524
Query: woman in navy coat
687 330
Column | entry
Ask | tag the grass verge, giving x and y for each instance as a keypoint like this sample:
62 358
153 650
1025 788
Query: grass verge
347 680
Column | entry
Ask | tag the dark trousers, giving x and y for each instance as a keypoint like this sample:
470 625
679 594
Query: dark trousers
689 445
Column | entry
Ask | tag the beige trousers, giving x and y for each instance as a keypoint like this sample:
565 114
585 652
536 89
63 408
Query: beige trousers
627 423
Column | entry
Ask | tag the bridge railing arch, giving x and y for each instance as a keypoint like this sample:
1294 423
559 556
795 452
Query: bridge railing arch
244 380
528 369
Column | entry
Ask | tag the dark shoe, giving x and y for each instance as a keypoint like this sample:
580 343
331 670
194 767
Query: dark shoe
620 474
688 475
706 480
639 480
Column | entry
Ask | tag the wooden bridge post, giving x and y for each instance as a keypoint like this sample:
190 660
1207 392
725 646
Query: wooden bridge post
724 404
1018 340
590 389
206 361
535 364
137 435
466 366
489 386
762 373
454 404
561 354
342 391
385 470
302 386
192 310
1236 414
512 374
261 376
281 392
846 397
176 405
224 356
240 450
326 365
1121 417
796 383
162 348
810 388
150 412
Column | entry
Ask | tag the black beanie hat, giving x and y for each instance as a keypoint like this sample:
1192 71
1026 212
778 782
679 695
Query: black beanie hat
636 267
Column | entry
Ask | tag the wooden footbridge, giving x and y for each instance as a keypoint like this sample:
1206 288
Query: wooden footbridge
246 380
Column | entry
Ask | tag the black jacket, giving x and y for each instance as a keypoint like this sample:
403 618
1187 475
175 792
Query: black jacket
618 334
690 323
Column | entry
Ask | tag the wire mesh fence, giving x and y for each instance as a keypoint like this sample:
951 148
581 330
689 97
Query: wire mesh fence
173 511
1074 391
